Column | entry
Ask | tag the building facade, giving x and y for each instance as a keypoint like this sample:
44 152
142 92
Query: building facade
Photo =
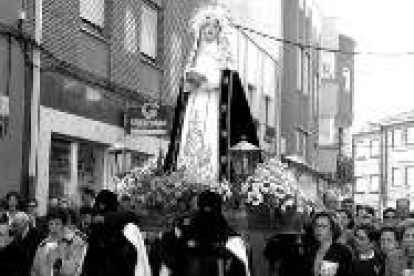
335 100
14 99
300 91
384 161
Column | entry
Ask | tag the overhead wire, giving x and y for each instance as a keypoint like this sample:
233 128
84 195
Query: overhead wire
317 47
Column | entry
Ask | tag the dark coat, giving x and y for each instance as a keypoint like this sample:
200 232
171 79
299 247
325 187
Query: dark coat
25 248
10 261
109 252
196 247
285 253
337 253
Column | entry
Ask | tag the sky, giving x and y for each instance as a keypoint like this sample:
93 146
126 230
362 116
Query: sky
383 82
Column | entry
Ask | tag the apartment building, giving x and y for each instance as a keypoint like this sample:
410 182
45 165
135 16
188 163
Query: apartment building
384 161
302 23
335 99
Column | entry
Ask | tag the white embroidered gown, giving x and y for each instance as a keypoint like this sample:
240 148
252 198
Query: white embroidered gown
199 144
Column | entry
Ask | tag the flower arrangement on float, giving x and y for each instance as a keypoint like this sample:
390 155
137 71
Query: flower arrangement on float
165 193
153 190
271 182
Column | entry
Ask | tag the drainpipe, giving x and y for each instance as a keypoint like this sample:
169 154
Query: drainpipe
35 103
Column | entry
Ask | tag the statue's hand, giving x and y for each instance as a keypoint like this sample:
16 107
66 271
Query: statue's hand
195 77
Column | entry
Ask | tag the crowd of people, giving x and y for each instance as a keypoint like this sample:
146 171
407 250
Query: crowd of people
102 237
347 241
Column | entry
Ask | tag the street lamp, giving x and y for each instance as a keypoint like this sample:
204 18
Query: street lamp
244 158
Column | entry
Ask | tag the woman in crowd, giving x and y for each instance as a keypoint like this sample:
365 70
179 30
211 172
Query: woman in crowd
367 261
9 254
326 256
62 252
401 262
13 204
388 240
346 224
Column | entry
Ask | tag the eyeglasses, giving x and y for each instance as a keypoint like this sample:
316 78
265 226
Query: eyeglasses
389 217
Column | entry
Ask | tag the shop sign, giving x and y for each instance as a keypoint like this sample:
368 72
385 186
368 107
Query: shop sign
147 119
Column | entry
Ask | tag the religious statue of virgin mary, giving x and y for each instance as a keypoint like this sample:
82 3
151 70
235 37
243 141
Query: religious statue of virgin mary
210 99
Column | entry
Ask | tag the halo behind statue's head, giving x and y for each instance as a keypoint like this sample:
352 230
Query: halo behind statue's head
208 13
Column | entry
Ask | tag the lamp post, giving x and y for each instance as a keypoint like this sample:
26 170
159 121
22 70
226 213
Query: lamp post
244 158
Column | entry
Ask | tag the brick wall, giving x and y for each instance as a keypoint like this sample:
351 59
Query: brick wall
177 42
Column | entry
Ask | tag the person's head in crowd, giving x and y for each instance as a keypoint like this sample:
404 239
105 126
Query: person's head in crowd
13 202
365 215
348 204
389 217
105 202
20 224
86 214
5 231
366 236
388 239
209 202
31 207
64 203
56 219
72 217
126 203
345 219
407 237
53 202
324 228
88 197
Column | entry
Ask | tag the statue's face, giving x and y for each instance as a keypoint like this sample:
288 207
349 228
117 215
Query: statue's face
210 30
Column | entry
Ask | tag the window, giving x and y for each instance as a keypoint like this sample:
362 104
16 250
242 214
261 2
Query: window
409 135
397 138
93 12
130 30
301 143
306 73
267 108
397 177
282 145
4 115
409 176
149 30
374 184
361 149
346 73
374 148
299 69
360 185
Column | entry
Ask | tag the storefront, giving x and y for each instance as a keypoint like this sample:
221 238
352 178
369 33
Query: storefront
78 126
